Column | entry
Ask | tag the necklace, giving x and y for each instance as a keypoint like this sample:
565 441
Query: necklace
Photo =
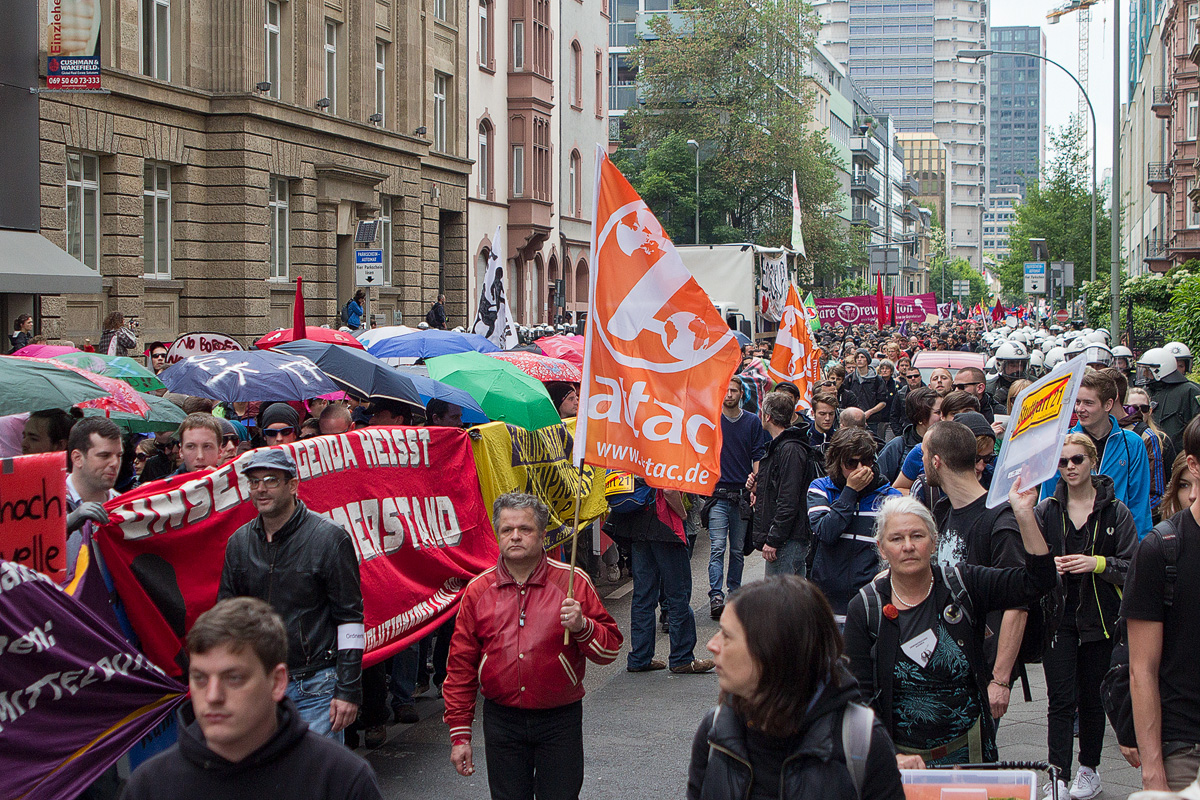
924 597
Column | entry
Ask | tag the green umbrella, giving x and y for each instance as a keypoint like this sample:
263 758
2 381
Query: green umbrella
164 416
503 391
122 368
27 385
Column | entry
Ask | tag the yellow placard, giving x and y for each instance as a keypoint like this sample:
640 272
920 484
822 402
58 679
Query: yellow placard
1043 405
618 483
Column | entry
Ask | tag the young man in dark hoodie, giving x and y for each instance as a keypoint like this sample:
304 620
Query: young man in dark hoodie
780 513
239 735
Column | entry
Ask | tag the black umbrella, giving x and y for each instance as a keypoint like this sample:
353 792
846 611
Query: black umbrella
356 371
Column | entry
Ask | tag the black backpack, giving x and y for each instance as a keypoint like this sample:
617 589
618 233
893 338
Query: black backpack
1114 689
346 313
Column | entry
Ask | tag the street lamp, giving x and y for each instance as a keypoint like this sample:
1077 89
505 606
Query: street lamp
696 145
983 53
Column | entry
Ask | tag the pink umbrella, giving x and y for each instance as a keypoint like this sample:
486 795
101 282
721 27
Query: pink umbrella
44 350
568 348
122 397
317 334
543 368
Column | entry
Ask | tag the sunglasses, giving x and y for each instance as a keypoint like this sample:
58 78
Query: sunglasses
1145 409
916 376
855 463
985 459
271 433
230 438
962 387
1076 460
139 457
158 355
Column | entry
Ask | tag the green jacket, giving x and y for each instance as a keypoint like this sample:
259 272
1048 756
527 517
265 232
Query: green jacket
1177 401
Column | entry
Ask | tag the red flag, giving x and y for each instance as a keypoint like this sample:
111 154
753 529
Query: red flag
892 310
298 330
997 311
881 306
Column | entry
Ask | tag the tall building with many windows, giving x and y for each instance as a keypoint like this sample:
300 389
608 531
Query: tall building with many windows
903 54
1018 93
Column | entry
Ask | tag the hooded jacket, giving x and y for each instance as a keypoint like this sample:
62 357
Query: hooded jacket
843 526
861 391
1126 462
294 763
1178 400
1108 534
722 767
891 457
780 510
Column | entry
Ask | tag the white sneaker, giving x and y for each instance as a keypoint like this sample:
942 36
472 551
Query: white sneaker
1048 792
1086 784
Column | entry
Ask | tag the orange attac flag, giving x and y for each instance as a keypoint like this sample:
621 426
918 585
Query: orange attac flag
658 356
794 353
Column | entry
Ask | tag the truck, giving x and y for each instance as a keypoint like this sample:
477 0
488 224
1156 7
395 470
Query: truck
729 274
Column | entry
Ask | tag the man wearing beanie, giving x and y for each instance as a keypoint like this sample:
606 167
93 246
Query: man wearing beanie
280 424
862 388
565 398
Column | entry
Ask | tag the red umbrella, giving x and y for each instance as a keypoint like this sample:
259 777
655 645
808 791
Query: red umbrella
122 397
44 350
327 335
544 368
568 348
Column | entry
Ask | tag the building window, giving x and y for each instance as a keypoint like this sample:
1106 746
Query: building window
1193 113
385 237
156 212
331 64
441 85
518 170
575 79
83 207
574 171
380 79
439 9
1193 17
271 29
485 34
518 45
541 159
541 38
599 84
156 39
280 237
484 165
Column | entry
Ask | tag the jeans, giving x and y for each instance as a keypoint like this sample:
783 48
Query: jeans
312 695
1073 671
404 676
726 530
662 564
789 559
534 751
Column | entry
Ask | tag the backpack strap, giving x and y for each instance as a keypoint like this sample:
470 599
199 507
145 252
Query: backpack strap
1170 550
874 606
953 578
858 722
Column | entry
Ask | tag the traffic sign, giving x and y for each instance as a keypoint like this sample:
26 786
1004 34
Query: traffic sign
368 267
1035 277
1062 315
961 288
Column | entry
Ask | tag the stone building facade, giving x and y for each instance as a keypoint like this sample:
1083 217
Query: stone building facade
237 146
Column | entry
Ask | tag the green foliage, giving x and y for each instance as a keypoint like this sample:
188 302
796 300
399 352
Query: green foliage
731 75
852 287
1150 293
1058 209
1185 311
958 269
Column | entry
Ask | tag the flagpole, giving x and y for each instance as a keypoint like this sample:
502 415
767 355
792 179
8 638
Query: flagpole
574 550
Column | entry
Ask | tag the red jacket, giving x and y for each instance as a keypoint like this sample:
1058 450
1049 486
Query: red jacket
522 664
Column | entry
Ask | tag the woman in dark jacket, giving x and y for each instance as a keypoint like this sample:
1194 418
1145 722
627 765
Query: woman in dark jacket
914 636
788 724
1093 537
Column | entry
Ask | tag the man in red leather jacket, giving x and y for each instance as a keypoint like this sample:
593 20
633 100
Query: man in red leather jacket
508 643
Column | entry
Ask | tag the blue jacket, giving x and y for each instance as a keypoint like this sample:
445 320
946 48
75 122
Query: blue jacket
843 527
1126 462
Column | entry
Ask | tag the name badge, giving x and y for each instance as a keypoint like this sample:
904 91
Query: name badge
920 647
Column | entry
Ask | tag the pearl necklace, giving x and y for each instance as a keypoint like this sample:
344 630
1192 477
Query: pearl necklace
925 597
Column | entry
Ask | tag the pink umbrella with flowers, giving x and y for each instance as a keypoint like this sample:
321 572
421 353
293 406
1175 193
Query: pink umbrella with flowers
568 348
544 368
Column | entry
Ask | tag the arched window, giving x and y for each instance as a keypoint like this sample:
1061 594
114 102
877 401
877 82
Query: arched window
575 79
487 51
574 190
484 164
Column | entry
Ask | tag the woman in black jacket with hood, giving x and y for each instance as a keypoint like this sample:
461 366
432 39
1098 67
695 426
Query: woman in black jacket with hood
1093 536
788 725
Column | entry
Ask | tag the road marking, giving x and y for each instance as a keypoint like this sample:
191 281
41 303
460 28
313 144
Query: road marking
618 593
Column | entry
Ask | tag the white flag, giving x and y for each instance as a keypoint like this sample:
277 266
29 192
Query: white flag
492 320
775 280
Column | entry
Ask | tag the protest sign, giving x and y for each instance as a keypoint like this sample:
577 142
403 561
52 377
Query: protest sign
200 344
1033 435
408 497
74 695
864 310
33 512
511 459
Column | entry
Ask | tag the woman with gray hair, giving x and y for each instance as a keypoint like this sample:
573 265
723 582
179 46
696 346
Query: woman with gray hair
914 635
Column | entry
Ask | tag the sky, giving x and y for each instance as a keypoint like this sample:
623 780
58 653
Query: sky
1062 45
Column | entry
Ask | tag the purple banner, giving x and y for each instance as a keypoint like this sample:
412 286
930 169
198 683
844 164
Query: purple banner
74 696
864 310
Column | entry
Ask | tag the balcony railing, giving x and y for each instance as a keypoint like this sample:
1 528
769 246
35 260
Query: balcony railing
865 183
865 215
1157 255
864 147
1158 177
1161 101
622 96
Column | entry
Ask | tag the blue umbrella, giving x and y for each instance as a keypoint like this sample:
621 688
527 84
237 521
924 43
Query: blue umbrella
356 371
742 339
431 343
247 376
430 389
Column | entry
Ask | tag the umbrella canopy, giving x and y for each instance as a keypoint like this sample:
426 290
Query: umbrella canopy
121 368
247 376
44 350
430 389
376 335
544 368
28 385
357 372
742 339
568 348
163 416
503 391
430 344
313 333
119 396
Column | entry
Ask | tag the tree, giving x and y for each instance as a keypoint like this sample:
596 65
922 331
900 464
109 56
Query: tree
1058 208
731 75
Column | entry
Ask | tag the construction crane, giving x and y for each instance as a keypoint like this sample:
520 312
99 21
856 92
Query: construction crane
1084 10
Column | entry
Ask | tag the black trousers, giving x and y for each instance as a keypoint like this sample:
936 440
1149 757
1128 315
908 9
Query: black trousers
1073 671
534 752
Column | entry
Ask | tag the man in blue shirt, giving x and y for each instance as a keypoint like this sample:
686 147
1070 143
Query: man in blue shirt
743 444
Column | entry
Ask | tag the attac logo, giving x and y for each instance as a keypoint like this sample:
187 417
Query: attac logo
1042 406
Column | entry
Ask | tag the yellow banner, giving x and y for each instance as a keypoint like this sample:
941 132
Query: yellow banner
510 459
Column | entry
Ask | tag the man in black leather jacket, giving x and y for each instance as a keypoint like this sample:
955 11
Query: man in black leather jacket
305 567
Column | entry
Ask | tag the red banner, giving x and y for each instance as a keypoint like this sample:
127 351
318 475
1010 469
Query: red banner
408 497
33 512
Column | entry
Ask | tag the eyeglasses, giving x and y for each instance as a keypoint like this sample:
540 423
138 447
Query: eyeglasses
962 387
855 463
267 482
1076 460
271 433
